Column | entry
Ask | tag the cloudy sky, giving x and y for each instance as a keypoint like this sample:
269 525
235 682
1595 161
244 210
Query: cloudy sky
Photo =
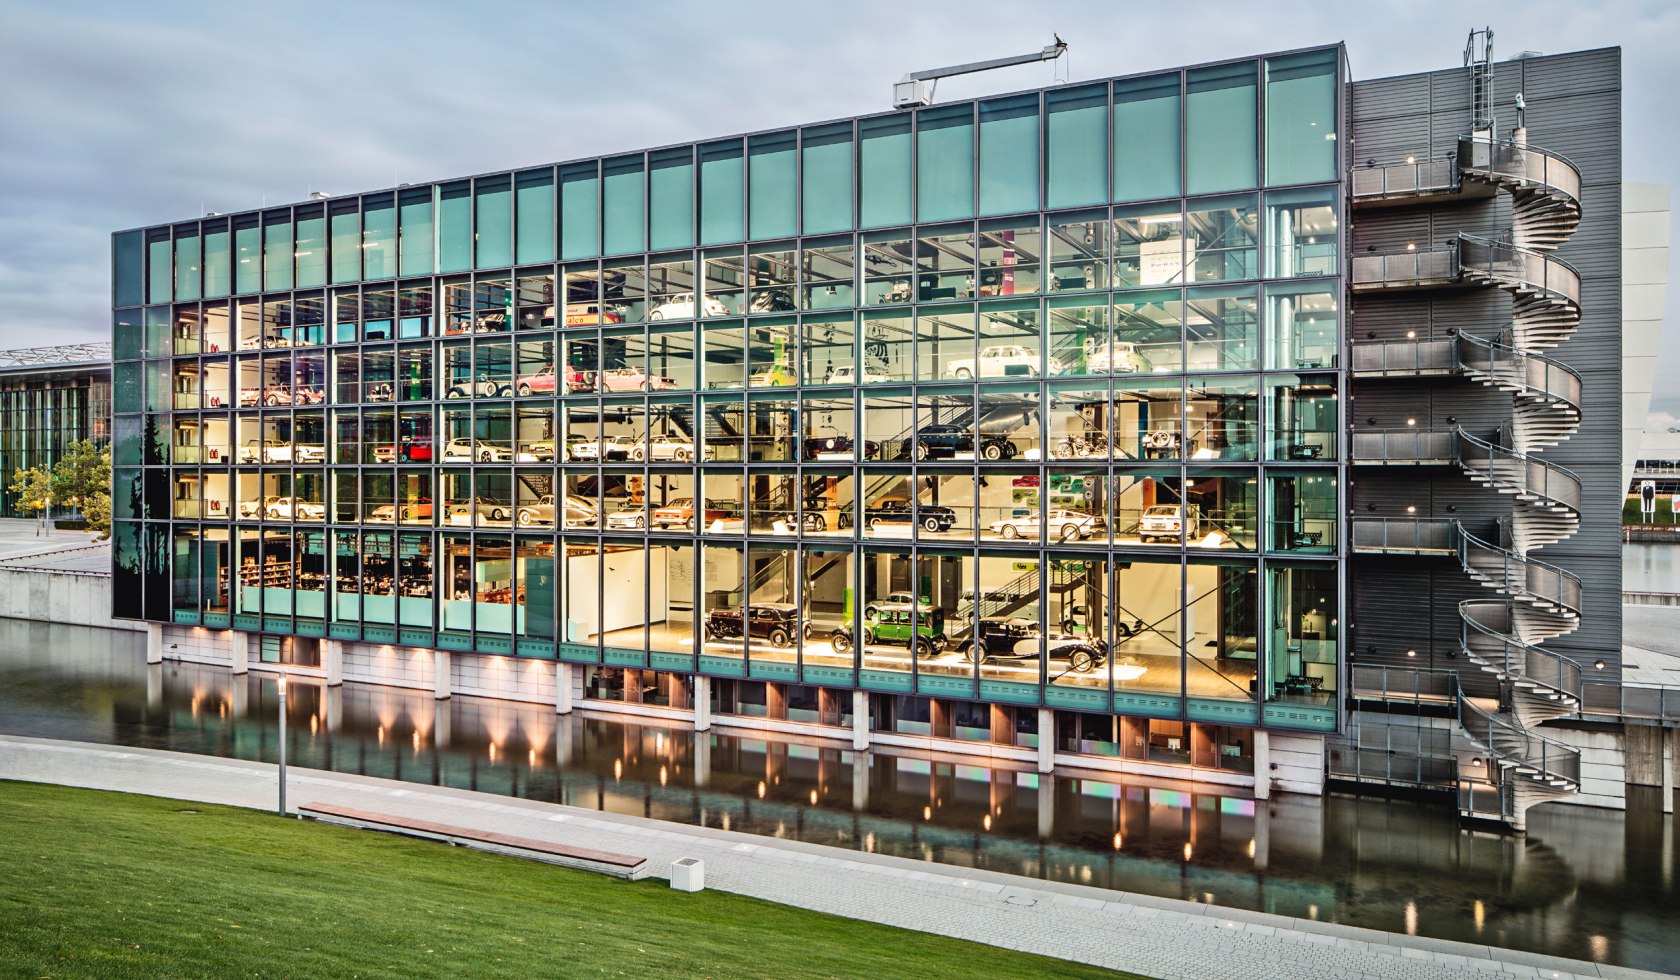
114 115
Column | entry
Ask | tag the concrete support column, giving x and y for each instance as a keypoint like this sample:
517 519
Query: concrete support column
1642 747
440 674
154 686
1262 837
860 782
860 721
1671 772
562 688
702 703
154 643
332 661
442 727
1046 745
775 701
702 760
1262 766
239 651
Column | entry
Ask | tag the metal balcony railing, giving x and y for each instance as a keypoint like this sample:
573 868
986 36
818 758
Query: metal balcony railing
1405 357
1642 702
1405 535
1402 446
1405 178
1404 684
1521 162
1409 268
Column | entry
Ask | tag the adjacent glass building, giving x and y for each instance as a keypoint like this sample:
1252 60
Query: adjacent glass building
50 397
1025 402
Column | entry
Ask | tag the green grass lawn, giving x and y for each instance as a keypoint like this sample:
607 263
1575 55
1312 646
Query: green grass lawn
110 885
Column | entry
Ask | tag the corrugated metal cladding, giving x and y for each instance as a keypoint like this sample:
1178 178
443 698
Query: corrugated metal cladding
1574 109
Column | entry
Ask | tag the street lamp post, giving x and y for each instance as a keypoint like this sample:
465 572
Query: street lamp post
282 685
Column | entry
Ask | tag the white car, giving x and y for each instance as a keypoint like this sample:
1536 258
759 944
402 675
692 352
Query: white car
996 361
292 509
663 449
847 374
579 512
1064 525
1121 357
681 307
467 450
632 519
1168 522
610 449
483 508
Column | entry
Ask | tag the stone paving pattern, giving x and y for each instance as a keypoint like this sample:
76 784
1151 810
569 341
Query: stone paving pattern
1158 937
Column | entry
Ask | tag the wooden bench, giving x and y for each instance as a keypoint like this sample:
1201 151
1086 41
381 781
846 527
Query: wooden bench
604 862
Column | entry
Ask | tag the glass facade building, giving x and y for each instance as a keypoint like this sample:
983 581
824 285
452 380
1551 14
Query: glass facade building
50 397
1028 401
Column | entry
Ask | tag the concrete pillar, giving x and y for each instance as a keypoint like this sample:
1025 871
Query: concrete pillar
239 696
154 686
1046 746
702 760
702 703
860 781
563 728
1262 837
562 688
1671 772
332 707
332 661
440 674
775 701
860 721
1003 724
154 643
239 651
1642 747
1262 766
442 729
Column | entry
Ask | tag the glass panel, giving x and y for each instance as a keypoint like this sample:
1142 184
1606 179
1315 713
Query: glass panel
770 186
415 217
1219 137
247 244
379 236
772 278
1301 232
1221 237
1078 146
1011 256
671 199
827 179
829 275
1222 326
1148 245
1302 634
886 170
454 227
277 251
1146 328
722 204
623 206
1222 419
945 163
1146 143
1301 117
128 269
493 232
1300 417
160 278
346 242
1222 630
1301 331
1079 251
218 264
311 248
187 271
1009 155
1302 512
534 204
580 211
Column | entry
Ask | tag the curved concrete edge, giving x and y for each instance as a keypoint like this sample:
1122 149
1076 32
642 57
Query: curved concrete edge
738 862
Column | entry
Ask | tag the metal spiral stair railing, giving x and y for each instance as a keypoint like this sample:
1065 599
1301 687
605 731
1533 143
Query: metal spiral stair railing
1545 187
1548 496
1546 393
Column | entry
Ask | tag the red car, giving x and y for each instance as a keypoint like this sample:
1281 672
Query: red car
634 379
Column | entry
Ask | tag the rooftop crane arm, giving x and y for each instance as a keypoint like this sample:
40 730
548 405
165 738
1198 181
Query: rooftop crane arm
909 90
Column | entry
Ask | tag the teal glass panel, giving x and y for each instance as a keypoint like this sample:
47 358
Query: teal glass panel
128 265
414 214
345 225
187 268
534 206
277 252
826 179
1221 152
945 163
1009 155
1146 143
160 280
1301 117
247 253
580 211
312 250
218 264
671 199
1078 146
722 199
623 206
127 337
884 161
454 227
379 236
770 186
493 228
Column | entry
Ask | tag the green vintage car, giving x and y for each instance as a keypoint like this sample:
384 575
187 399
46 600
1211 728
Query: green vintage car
891 622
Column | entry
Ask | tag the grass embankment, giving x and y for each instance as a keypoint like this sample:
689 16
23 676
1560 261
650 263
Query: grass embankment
112 885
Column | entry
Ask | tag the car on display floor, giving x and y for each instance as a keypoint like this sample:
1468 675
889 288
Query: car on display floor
466 450
292 509
410 451
681 307
1063 525
900 624
281 451
896 510
539 451
584 314
539 382
628 519
573 441
634 379
484 387
894 599
1168 522
777 622
578 512
997 638
608 448
847 374
835 445
949 441
664 449
414 510
1120 357
680 513
996 361
481 509
1082 653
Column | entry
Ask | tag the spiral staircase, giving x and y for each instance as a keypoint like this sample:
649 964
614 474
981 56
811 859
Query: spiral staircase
1532 601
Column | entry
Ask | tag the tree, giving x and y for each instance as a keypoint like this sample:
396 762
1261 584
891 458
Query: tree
82 479
34 487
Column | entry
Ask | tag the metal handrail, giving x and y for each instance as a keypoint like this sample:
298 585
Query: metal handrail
1402 177
1532 663
1411 445
1408 266
1522 161
1543 755
1406 683
1391 356
1520 575
1556 484
1539 373
1406 534
1514 263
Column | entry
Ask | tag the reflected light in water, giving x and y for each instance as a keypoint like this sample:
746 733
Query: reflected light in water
1411 918
986 822
1479 911
1600 948
1189 849
813 797
1118 842
761 789
380 734
663 775
618 768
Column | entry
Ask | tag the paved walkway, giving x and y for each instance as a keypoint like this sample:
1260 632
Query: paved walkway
1158 937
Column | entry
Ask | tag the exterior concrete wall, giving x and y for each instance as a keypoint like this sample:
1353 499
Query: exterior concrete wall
1295 763
72 598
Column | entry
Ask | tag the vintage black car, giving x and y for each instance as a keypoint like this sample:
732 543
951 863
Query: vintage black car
1013 638
946 441
777 622
896 510
833 444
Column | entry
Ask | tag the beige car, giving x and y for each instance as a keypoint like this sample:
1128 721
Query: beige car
579 512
